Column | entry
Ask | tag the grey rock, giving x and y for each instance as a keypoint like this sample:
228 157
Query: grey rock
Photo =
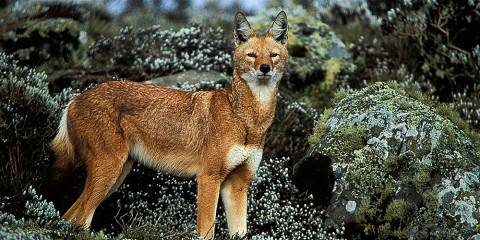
190 77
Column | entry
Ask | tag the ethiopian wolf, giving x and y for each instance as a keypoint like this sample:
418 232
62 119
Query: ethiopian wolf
215 136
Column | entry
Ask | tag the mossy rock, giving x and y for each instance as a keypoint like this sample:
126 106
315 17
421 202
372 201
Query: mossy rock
403 169
316 53
36 41
190 77
52 34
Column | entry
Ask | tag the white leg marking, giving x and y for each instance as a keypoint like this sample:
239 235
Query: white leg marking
88 222
236 216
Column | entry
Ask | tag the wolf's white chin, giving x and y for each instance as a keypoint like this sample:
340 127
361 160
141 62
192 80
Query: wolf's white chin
261 87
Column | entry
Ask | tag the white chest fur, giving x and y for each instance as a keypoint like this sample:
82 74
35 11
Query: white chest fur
249 154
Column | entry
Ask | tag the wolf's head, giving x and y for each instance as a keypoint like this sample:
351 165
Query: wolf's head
260 59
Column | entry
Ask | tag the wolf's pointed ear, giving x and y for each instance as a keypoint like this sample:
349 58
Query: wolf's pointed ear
279 28
242 30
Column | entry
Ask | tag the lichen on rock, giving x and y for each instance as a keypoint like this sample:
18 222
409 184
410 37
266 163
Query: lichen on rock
410 172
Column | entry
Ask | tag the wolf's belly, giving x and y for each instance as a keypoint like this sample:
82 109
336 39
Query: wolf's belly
172 162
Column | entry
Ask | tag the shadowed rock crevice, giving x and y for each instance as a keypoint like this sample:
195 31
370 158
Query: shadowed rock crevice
314 175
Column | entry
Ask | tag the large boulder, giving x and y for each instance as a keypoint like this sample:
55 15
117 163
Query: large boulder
189 77
402 168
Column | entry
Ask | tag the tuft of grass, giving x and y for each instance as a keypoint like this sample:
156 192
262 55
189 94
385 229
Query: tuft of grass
447 112
320 127
339 95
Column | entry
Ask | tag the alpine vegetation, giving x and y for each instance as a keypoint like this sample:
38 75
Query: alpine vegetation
27 111
156 52
279 210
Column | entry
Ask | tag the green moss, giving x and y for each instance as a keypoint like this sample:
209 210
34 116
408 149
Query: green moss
366 211
384 224
320 127
354 137
384 231
399 211
387 192
422 179
393 163
332 67
449 113
396 87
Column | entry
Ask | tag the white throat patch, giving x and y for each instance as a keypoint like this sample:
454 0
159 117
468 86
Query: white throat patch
262 92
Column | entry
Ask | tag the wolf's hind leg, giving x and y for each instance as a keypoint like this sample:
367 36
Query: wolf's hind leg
127 167
103 172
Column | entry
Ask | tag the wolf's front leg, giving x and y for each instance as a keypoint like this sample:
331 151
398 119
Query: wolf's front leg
208 191
234 196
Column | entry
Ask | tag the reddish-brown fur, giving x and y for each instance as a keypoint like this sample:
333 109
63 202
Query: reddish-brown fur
216 136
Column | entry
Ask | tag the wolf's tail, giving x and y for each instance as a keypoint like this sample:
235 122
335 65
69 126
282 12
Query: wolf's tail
64 152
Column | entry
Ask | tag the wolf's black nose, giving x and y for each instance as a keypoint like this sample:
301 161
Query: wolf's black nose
265 68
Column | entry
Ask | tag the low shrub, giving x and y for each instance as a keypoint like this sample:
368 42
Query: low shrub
28 120
136 54
442 38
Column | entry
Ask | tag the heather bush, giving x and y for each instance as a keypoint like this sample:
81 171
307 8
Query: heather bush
468 105
28 118
424 46
443 40
30 216
163 206
345 12
138 54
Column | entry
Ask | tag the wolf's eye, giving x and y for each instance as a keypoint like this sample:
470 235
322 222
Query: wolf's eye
251 55
273 54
